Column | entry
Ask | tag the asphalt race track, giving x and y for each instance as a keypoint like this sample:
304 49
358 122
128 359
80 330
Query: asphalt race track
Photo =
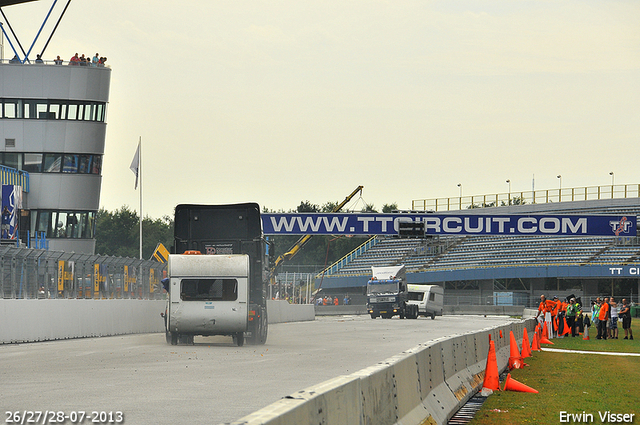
212 381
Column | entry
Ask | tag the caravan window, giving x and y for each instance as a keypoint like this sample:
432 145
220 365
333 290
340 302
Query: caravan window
432 296
207 289
416 296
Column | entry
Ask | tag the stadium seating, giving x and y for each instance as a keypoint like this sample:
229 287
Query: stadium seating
461 252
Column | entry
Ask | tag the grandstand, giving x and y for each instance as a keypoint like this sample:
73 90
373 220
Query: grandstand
476 268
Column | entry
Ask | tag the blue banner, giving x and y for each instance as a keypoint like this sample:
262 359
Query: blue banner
11 204
450 224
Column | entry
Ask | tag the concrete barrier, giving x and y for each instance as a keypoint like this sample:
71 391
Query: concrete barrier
500 310
45 320
280 311
424 385
494 310
340 310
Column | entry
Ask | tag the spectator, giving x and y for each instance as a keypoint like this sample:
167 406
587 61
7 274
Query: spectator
613 334
595 311
603 315
571 314
335 301
95 60
346 300
6 222
39 59
15 59
579 320
75 60
58 61
625 315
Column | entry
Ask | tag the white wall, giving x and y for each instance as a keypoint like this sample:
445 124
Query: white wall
279 311
44 320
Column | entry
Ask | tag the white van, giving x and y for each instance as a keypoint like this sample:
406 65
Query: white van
428 298
208 295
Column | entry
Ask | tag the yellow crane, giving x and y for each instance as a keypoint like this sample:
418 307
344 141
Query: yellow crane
296 247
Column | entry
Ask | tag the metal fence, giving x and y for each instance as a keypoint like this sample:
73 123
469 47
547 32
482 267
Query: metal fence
34 273
528 197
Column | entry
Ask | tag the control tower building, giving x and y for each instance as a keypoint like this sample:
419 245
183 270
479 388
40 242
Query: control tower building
52 126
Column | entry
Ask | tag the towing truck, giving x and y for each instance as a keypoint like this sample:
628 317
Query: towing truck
387 294
217 274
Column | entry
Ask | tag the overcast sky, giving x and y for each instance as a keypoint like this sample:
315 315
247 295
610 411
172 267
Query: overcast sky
282 101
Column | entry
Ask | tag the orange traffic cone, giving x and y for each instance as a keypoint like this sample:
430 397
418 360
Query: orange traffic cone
535 344
586 333
545 340
566 330
515 359
526 347
491 374
511 384
545 331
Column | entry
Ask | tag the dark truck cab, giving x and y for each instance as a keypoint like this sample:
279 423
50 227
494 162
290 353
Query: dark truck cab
228 230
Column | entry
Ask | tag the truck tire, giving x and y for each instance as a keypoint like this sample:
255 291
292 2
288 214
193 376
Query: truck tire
174 338
414 312
373 316
239 339
433 315
259 329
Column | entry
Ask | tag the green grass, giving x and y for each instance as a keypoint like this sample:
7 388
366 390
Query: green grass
593 344
573 383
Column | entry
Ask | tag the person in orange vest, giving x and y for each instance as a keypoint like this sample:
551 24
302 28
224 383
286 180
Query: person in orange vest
561 315
335 301
602 319
544 309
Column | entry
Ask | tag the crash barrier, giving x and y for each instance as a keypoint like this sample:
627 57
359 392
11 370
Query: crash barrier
340 310
44 320
426 384
499 310
279 311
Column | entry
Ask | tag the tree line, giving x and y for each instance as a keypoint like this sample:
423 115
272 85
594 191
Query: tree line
118 234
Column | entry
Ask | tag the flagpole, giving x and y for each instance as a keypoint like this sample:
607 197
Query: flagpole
140 174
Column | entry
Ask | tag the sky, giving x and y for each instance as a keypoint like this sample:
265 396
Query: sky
281 101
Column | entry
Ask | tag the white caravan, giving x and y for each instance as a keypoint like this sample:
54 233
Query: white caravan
428 298
208 295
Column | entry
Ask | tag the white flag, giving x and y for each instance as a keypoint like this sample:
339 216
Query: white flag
135 164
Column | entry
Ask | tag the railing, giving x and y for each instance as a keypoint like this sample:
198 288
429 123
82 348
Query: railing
39 274
15 177
348 258
53 62
530 197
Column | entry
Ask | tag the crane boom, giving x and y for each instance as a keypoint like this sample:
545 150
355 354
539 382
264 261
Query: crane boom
296 247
